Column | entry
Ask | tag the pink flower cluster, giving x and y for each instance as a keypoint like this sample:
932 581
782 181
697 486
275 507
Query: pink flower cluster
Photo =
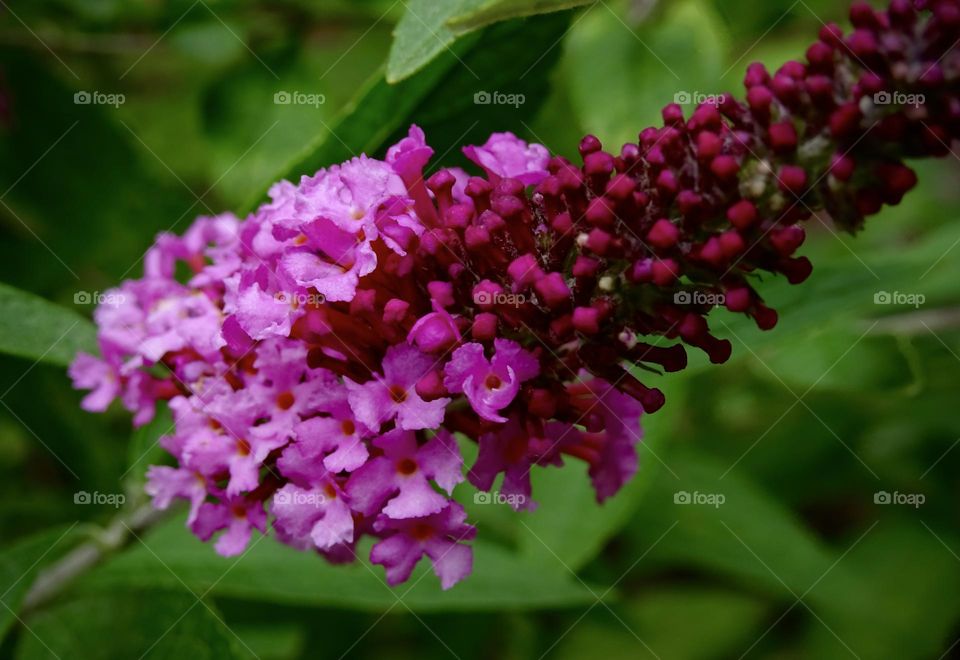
320 355
309 379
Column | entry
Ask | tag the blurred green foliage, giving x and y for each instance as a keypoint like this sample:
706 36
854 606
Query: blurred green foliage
802 435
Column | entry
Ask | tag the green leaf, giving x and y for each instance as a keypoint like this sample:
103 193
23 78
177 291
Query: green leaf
505 58
422 34
174 625
272 572
747 535
36 329
621 74
494 11
676 621
911 577
19 565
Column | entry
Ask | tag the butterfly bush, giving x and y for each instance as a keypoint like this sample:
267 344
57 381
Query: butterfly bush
321 356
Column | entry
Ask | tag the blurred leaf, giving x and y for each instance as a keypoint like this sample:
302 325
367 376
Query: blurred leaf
493 11
272 641
83 196
36 329
569 526
440 98
19 565
272 572
621 75
747 535
158 624
664 619
422 34
912 578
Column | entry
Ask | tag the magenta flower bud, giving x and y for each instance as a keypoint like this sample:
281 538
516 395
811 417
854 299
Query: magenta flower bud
759 98
667 183
620 187
796 270
845 120
524 270
841 166
862 43
664 272
738 299
395 310
584 266
831 34
486 293
434 333
458 216
586 320
725 168
599 212
598 163
792 178
430 386
820 88
708 145
786 240
442 292
712 252
641 271
552 290
820 56
688 202
484 326
731 244
764 317
663 234
756 75
742 214
672 114
783 137
589 144
598 241
898 179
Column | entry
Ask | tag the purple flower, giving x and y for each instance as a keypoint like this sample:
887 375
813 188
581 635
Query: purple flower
490 385
513 450
401 475
393 395
506 155
94 374
318 514
238 516
438 536
165 483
